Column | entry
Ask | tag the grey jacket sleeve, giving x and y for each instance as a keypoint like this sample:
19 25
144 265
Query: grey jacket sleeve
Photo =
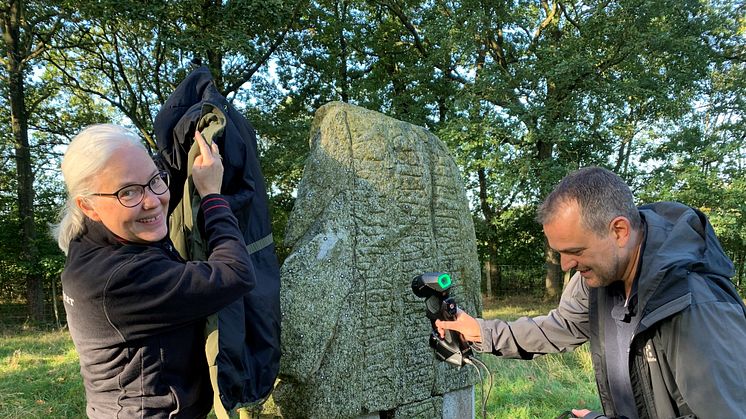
564 328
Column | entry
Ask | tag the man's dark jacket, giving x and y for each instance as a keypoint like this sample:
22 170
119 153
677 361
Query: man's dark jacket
249 330
685 355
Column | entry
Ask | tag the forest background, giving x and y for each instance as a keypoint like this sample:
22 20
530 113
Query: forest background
521 92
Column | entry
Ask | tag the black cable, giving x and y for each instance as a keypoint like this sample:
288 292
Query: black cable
468 361
489 388
476 363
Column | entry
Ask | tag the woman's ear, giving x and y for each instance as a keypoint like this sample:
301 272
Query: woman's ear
85 205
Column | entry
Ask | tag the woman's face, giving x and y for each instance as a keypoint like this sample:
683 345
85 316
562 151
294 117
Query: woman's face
143 223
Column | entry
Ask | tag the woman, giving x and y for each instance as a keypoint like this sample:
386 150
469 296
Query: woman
135 309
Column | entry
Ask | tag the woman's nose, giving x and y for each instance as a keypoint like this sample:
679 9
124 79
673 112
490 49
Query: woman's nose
151 200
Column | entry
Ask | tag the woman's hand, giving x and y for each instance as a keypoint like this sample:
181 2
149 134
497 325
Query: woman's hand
207 171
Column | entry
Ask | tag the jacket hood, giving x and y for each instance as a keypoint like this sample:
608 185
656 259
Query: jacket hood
170 126
678 240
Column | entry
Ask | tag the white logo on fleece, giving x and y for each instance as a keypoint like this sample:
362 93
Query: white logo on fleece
67 299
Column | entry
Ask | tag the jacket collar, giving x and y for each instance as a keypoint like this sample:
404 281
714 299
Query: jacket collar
678 240
97 233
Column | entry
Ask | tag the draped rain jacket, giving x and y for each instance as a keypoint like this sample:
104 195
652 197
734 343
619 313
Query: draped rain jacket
686 354
245 352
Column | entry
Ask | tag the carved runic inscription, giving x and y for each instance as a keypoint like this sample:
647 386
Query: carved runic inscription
380 201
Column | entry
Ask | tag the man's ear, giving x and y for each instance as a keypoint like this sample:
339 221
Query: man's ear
85 205
621 228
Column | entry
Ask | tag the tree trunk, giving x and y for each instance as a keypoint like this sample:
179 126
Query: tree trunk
487 277
25 190
739 271
55 308
553 281
494 269
491 271
567 277
210 10
340 13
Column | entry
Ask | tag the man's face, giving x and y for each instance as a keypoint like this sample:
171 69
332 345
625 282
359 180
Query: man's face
601 260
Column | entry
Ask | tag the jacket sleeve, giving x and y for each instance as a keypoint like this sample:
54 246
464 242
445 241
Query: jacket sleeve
702 349
564 328
152 292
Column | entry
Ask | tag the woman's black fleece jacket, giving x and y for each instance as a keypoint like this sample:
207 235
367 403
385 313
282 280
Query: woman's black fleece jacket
136 315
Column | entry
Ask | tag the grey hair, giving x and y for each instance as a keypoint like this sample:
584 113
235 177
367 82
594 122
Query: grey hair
87 154
600 194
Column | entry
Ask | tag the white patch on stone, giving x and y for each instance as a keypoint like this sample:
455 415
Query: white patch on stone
327 241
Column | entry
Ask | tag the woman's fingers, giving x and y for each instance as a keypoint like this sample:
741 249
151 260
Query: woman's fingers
207 170
204 150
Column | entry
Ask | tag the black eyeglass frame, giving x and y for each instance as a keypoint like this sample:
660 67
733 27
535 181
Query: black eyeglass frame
161 173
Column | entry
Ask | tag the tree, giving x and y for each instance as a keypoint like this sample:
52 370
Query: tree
522 92
700 159
544 88
27 32
132 55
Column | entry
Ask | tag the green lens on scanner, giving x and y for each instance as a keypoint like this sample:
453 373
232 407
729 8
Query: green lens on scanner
444 280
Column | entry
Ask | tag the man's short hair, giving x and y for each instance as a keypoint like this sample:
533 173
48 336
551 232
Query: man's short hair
601 196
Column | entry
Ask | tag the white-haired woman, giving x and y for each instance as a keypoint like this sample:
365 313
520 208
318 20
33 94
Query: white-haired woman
135 309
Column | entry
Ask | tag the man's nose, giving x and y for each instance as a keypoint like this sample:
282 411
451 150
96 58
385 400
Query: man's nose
567 262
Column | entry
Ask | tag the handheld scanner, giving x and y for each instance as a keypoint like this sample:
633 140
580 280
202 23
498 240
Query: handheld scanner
431 283
433 287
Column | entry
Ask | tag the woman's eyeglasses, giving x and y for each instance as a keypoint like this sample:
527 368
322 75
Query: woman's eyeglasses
131 195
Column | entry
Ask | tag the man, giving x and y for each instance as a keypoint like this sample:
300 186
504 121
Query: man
652 294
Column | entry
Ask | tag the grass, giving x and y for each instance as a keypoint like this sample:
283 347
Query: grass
543 387
40 378
39 375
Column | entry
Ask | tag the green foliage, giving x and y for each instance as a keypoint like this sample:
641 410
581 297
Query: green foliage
518 238
521 92
14 269
699 160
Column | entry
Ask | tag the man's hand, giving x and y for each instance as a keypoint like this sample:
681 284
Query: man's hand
464 324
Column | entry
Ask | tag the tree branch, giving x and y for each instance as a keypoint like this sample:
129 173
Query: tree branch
550 15
247 74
